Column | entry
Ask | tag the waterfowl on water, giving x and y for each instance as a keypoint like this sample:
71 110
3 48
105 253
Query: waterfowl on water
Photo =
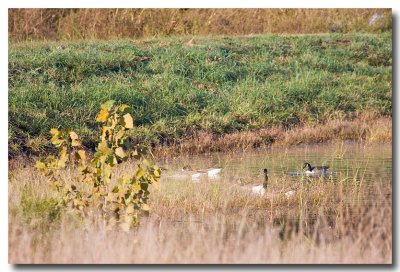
315 171
196 174
262 189
213 172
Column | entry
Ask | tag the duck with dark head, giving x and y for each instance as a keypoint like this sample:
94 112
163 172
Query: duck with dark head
262 188
315 170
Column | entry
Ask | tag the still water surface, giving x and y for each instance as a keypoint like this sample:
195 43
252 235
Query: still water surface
369 163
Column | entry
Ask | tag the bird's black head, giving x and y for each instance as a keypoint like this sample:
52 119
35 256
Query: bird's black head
265 183
306 164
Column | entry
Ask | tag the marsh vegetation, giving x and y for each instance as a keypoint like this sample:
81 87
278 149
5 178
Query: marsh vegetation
344 218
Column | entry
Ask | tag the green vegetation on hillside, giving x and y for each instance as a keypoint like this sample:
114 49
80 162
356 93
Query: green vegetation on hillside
176 89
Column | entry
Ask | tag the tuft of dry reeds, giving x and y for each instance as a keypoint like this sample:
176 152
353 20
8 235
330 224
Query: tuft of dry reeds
361 237
72 24
366 127
192 242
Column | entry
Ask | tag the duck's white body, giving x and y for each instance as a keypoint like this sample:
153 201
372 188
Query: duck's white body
312 174
213 172
197 174
196 177
316 173
258 190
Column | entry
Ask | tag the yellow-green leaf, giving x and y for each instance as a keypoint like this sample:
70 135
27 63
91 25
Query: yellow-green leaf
103 148
63 157
55 140
156 173
40 165
102 116
73 135
63 152
96 196
54 131
120 152
139 173
53 186
61 162
82 155
57 137
107 172
123 108
115 189
136 188
83 170
74 138
128 121
120 134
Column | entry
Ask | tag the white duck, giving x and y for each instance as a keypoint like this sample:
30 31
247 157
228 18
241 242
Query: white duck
197 174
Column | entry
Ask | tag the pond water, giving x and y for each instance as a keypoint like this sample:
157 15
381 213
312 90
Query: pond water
369 163
364 170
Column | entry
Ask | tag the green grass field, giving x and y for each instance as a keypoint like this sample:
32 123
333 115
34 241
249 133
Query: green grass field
218 85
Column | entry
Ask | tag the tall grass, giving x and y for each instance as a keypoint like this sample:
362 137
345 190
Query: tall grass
347 219
72 24
215 242
211 86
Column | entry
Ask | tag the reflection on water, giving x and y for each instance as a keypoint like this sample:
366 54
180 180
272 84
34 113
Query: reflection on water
369 163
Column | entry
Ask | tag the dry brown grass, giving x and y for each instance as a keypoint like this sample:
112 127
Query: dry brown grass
55 24
328 221
366 127
214 241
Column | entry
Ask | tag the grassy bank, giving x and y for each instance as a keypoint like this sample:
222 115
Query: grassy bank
364 128
72 24
181 90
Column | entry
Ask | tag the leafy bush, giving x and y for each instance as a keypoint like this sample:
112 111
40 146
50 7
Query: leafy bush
119 204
